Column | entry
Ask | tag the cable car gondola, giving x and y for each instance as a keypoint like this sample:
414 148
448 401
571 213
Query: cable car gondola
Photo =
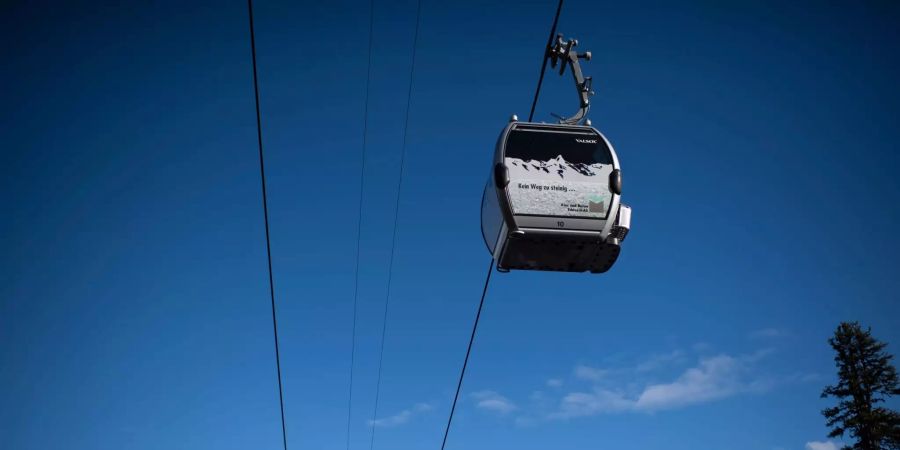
553 199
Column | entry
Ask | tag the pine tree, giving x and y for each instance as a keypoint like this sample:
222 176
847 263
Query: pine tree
866 379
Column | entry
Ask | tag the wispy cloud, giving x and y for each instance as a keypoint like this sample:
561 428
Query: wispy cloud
714 378
669 380
583 372
701 347
824 445
661 360
494 402
402 417
653 362
597 401
767 333
642 387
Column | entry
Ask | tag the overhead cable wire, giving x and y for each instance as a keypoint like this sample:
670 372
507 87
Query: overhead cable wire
362 182
387 298
262 175
537 91
462 373
487 279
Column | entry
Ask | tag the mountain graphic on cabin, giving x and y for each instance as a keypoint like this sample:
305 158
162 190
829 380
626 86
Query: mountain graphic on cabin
558 187
557 169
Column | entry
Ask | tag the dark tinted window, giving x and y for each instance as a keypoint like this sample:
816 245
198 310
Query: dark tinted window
589 148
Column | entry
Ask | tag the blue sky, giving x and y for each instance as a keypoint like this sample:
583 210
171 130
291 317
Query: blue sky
758 142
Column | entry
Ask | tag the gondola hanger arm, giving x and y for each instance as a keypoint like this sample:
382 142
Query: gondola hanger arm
563 54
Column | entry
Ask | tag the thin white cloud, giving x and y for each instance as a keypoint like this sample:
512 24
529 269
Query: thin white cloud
589 373
661 360
823 445
402 417
649 385
423 407
494 402
523 421
598 401
767 333
712 379
392 421
807 377
649 364
702 347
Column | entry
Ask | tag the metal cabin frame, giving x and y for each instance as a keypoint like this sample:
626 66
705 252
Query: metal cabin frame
545 242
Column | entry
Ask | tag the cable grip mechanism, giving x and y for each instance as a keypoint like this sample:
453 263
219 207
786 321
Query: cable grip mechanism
563 54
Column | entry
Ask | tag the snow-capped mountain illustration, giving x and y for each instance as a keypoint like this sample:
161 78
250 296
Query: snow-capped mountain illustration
559 188
557 169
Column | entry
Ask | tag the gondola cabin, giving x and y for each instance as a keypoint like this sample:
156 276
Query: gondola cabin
552 201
